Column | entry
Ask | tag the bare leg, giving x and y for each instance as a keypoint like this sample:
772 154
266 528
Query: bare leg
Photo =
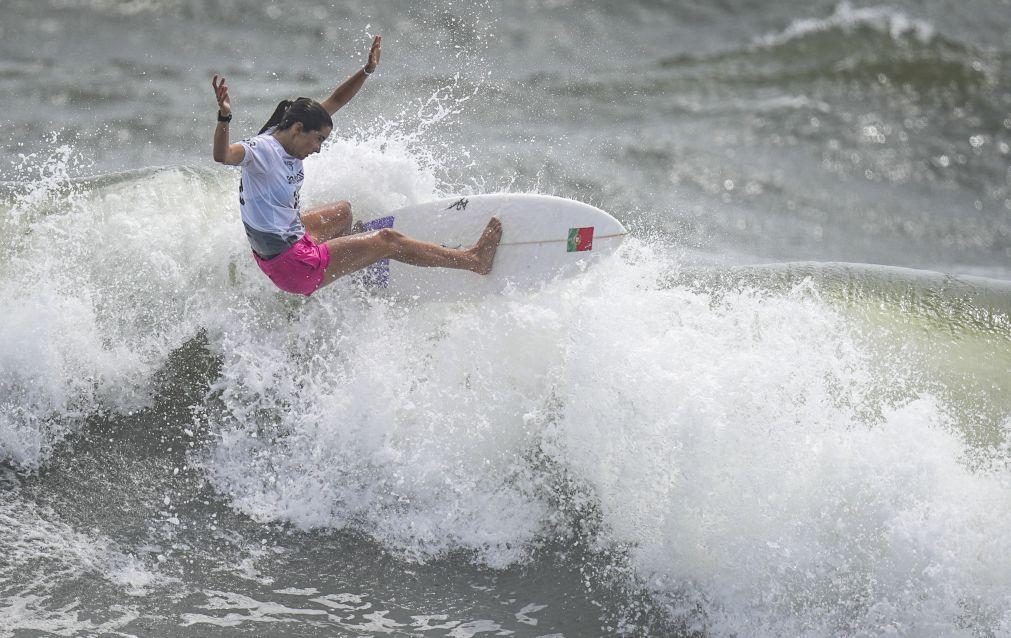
329 221
348 254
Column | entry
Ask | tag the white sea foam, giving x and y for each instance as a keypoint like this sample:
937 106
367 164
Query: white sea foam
881 18
246 610
42 554
755 467
108 277
747 449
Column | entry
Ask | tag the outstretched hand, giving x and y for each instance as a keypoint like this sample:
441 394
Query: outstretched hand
221 93
349 87
374 54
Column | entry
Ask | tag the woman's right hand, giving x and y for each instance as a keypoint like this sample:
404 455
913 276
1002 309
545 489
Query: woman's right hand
221 93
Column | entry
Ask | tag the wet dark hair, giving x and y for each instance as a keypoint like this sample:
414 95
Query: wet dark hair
309 112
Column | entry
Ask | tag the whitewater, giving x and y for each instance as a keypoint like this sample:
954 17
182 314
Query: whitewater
733 427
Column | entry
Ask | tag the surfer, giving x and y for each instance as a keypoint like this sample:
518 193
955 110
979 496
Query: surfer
301 252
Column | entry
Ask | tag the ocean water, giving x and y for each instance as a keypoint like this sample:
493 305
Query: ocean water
783 409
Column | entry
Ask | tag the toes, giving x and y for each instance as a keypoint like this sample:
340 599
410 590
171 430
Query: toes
494 227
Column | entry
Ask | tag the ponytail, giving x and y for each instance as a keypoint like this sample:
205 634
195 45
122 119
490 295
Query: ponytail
310 113
277 116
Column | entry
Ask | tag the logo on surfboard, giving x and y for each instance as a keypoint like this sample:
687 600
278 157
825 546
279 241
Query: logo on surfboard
460 204
580 239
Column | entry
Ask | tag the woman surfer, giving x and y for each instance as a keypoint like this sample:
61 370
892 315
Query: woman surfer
301 252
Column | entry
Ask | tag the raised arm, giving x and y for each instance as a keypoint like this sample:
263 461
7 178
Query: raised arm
223 151
347 90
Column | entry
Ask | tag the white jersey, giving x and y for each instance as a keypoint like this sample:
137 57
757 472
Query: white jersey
269 195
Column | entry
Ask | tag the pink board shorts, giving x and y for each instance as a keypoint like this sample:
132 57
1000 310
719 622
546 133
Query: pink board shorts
299 269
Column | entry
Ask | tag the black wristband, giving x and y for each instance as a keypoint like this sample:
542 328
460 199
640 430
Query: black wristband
224 118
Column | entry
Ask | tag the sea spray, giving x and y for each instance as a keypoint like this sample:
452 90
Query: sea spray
764 472
745 451
106 275
100 292
742 453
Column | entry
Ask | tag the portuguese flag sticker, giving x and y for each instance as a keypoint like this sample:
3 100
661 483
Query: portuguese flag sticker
580 239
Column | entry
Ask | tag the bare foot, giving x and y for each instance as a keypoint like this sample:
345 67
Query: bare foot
486 246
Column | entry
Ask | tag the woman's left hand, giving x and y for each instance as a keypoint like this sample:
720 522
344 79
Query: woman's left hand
374 54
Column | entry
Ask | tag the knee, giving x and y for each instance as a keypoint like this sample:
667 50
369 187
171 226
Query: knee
340 212
338 217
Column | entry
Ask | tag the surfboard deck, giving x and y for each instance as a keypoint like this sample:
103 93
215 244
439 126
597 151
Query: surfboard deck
543 237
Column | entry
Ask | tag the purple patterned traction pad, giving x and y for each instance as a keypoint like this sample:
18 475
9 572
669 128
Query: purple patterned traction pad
378 274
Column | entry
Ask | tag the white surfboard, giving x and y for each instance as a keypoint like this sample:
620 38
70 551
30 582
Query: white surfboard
543 237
